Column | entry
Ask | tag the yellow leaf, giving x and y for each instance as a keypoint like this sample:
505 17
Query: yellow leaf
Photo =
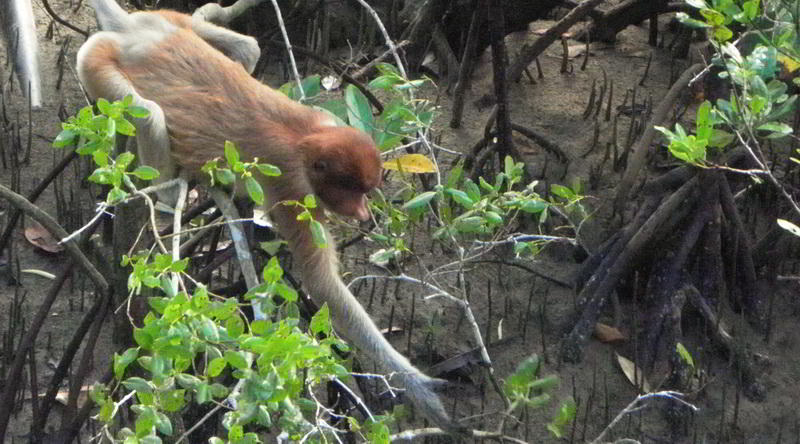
411 163
788 62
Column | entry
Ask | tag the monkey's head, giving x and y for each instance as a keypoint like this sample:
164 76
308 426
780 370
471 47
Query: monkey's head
342 165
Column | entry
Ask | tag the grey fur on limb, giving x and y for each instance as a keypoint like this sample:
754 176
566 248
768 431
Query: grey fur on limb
21 37
214 13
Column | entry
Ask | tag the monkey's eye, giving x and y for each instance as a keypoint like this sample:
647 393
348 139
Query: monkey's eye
319 165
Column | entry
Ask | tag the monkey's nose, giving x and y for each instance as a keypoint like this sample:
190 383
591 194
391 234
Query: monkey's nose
362 211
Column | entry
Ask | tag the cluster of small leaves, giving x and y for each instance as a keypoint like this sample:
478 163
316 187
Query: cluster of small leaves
94 135
720 14
153 273
399 119
226 175
307 207
764 97
190 344
466 208
760 99
691 148
524 387
402 117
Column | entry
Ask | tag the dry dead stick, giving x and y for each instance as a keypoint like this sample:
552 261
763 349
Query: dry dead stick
530 52
465 69
638 152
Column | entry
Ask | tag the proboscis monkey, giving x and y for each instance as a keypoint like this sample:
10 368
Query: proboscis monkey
194 79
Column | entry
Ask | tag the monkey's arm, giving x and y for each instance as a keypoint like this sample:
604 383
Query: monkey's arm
101 77
319 270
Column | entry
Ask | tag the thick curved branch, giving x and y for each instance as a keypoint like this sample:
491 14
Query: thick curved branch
58 232
638 152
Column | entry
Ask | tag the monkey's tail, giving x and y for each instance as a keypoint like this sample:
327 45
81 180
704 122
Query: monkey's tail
111 16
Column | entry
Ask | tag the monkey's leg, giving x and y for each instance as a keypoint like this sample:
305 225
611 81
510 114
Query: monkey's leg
240 48
99 74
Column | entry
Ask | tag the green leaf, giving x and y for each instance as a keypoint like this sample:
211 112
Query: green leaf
116 195
321 321
172 400
121 362
103 105
65 138
235 433
268 170
750 9
311 86
235 326
187 381
419 201
142 338
163 424
203 393
236 359
125 128
139 112
383 82
138 384
563 192
493 218
145 172
261 327
776 128
100 157
359 113
564 416
225 176
471 224
690 22
254 190
125 159
720 138
713 17
518 383
703 121
216 366
533 206
544 384
684 354
231 155
318 234
461 197
722 34
336 107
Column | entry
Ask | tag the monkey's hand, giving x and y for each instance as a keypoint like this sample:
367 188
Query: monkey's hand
421 391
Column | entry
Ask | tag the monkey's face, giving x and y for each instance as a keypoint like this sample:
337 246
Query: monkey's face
342 165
